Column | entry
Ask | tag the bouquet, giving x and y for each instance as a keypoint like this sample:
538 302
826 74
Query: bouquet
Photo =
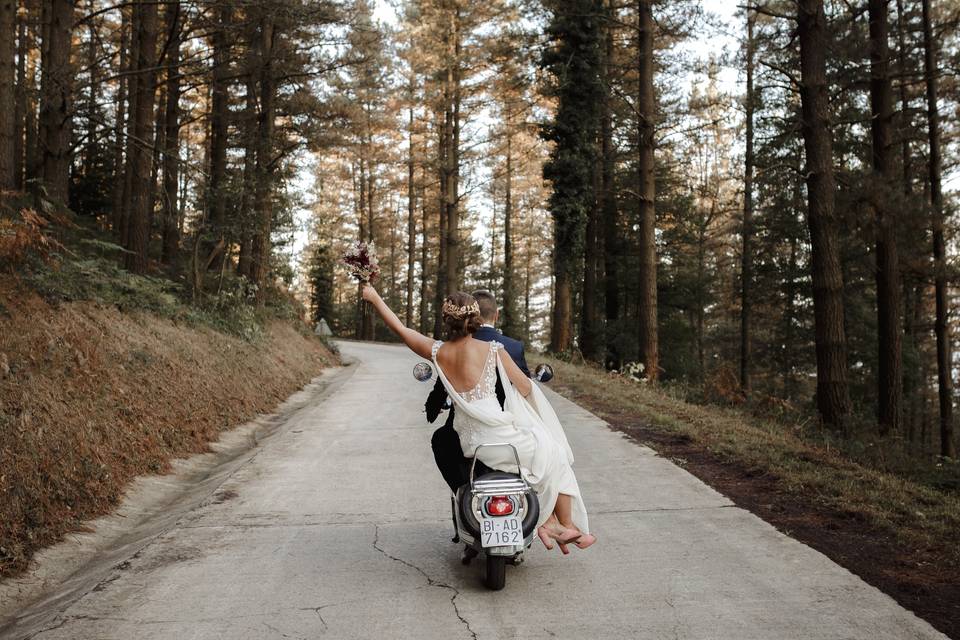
361 260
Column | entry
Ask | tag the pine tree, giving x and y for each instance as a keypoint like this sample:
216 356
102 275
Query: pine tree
747 256
8 31
646 136
944 359
139 156
890 378
320 275
573 60
833 399
56 100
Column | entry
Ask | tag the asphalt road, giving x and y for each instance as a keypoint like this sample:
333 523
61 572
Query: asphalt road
338 527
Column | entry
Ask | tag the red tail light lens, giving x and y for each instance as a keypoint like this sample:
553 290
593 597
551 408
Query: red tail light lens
499 506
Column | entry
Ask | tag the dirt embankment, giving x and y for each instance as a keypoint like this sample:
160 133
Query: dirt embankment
91 397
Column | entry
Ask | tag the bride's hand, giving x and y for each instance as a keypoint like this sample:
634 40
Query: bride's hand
369 293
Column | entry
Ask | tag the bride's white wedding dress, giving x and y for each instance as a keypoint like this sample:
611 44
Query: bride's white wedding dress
529 424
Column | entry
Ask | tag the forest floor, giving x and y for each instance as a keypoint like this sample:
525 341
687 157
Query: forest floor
897 533
105 376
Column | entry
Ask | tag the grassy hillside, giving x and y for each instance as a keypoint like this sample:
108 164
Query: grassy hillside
105 375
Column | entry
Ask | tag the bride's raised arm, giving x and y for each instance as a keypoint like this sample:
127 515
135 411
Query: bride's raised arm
418 343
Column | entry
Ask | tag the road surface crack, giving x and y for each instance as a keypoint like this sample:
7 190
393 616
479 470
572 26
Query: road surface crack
275 630
317 611
64 621
53 627
430 581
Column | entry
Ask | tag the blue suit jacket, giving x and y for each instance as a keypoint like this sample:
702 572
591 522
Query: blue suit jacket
438 397
513 347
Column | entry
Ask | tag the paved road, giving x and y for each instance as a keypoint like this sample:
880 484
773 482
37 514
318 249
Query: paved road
338 528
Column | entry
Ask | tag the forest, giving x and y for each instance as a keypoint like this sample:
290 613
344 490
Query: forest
757 202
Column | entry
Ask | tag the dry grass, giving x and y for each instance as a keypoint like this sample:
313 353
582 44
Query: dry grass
23 236
802 463
91 397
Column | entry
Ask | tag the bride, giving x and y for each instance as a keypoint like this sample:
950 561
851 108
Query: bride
468 369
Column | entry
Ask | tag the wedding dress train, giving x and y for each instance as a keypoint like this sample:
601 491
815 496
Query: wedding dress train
529 424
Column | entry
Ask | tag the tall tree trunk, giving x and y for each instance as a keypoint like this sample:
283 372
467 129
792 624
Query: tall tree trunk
368 312
942 328
130 142
649 349
424 265
359 182
833 398
392 288
561 334
907 176
527 286
492 280
453 155
700 310
790 296
263 190
441 288
572 168
159 144
912 294
92 146
890 379
140 157
184 183
31 138
440 292
246 214
411 212
118 206
611 240
590 343
508 321
171 157
912 319
371 185
8 73
56 98
746 258
367 210
216 194
35 151
20 102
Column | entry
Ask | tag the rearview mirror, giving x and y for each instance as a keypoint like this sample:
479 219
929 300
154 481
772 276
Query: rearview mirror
422 371
543 373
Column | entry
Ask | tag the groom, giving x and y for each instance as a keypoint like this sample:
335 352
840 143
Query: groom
446 443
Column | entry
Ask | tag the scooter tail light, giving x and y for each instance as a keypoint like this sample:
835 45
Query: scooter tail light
500 506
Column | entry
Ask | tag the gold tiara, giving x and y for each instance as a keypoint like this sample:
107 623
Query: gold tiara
452 310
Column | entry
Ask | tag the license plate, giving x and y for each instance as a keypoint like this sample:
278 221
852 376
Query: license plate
501 531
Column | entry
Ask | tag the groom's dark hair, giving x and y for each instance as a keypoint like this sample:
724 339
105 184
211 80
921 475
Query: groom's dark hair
488 304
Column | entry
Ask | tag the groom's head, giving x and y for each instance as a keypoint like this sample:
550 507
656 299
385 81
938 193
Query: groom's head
488 306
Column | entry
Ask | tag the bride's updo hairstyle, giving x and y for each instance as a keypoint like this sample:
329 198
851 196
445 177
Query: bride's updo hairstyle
461 315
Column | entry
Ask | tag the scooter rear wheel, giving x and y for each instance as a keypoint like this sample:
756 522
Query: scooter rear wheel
494 572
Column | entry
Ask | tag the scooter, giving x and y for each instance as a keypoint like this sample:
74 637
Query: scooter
495 514
496 518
